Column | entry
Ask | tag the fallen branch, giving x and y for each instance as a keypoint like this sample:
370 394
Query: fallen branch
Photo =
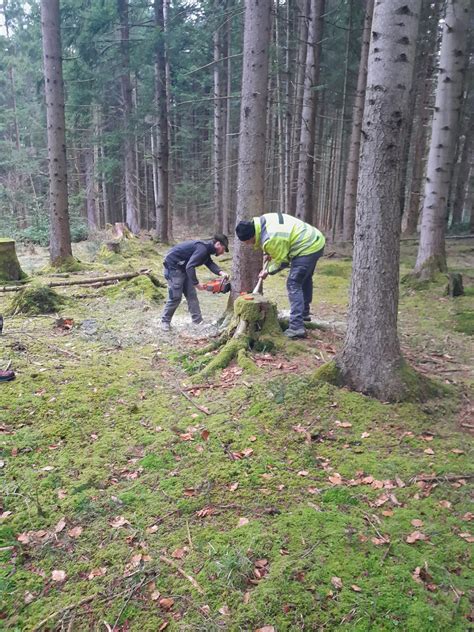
176 566
203 409
63 610
92 282
440 478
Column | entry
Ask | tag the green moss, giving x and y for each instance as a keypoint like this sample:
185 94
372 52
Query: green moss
329 373
420 283
140 287
224 356
340 269
36 299
245 362
465 322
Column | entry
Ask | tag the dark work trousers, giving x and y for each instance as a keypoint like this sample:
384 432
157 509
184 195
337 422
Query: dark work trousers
179 284
300 287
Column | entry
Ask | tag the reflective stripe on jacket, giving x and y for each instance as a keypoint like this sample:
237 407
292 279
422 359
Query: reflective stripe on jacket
284 237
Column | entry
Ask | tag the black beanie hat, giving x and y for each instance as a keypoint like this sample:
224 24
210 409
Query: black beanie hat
245 230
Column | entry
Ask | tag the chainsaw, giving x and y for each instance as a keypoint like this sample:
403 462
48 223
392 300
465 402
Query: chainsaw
218 286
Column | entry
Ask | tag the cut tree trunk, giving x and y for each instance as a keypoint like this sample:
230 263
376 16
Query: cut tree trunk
254 325
10 269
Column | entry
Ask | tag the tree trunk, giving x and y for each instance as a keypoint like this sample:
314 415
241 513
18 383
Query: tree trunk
218 144
463 175
226 192
91 193
431 251
424 69
60 235
131 210
304 206
371 361
162 209
251 175
352 174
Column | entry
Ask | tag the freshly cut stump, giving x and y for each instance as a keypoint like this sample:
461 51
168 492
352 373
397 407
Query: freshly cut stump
254 325
10 269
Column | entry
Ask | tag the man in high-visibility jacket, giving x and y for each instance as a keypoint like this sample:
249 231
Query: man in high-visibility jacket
288 242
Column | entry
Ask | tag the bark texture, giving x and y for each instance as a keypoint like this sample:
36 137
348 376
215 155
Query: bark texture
371 361
251 173
162 150
350 190
131 210
449 91
304 187
60 234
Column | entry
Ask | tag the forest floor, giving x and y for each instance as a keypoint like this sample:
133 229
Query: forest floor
135 498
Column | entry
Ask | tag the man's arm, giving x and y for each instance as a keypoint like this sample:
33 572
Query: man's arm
212 265
278 249
198 258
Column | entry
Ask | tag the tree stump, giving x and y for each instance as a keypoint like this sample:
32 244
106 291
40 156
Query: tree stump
112 246
254 325
10 269
455 286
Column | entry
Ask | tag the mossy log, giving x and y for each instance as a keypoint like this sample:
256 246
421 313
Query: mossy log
254 325
10 269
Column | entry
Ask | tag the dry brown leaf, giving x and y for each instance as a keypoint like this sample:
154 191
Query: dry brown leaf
233 486
58 576
252 438
415 536
246 598
428 451
356 588
205 435
190 491
377 484
336 582
60 526
467 536
75 532
303 473
247 451
152 529
468 516
166 603
97 572
266 628
457 451
313 490
365 435
205 609
205 511
62 493
387 512
380 541
336 479
242 522
28 597
155 595
224 610
178 554
186 436
445 504
118 521
417 523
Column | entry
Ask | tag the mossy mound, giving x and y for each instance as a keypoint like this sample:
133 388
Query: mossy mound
127 249
411 385
36 299
68 265
10 269
419 283
465 322
138 288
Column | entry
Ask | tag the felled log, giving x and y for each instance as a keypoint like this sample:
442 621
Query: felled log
94 281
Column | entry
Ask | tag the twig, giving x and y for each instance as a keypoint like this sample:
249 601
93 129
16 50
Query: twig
201 408
440 478
174 565
191 547
129 596
62 611
9 363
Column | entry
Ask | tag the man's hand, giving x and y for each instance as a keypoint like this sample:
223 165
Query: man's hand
199 286
266 259
263 274
223 274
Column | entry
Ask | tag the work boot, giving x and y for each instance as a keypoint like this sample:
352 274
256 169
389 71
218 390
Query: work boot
295 333
165 326
307 319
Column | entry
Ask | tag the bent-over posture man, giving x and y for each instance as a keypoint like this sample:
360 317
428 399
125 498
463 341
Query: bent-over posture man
180 272
288 241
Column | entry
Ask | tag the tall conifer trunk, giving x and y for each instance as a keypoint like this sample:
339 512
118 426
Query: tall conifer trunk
60 234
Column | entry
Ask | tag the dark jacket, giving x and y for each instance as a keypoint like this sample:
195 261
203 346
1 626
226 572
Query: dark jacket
188 255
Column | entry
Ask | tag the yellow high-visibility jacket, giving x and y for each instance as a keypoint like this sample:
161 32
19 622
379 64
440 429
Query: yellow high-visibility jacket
284 237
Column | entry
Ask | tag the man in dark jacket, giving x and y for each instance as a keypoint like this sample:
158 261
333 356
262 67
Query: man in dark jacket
180 272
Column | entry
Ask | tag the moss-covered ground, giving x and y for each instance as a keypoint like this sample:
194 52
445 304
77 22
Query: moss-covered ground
134 498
